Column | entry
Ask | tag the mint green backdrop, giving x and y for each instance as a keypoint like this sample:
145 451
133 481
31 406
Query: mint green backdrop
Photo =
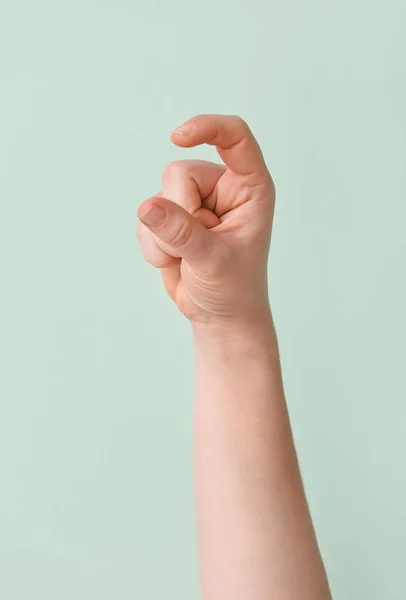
96 374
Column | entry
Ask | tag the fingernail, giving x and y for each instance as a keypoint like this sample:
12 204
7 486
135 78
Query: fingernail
184 129
154 216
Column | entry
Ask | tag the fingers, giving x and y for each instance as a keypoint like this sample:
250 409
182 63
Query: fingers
171 278
183 235
188 182
185 182
154 254
207 218
233 138
151 251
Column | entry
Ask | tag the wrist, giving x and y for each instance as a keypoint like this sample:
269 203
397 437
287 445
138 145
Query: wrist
233 336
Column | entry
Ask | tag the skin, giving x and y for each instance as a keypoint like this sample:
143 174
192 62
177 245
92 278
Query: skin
208 231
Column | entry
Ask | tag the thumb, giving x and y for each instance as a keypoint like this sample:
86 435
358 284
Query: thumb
182 234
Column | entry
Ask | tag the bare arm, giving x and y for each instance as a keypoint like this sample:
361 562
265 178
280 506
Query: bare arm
209 231
256 538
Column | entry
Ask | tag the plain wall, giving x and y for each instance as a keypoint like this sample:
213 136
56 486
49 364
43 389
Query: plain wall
96 377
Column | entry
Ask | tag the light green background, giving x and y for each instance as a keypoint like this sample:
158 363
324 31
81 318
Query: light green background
96 365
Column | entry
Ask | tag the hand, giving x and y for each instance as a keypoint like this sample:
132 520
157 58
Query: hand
209 228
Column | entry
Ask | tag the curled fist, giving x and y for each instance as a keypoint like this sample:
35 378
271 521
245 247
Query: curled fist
209 228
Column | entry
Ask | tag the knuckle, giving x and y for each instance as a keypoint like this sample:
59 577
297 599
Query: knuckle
242 124
269 192
157 257
150 259
174 168
162 261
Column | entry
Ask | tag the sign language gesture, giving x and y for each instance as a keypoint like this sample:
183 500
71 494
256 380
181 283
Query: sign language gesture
209 228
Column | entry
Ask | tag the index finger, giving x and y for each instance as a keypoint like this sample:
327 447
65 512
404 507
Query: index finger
232 137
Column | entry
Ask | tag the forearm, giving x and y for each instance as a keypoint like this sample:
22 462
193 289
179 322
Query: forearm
256 539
